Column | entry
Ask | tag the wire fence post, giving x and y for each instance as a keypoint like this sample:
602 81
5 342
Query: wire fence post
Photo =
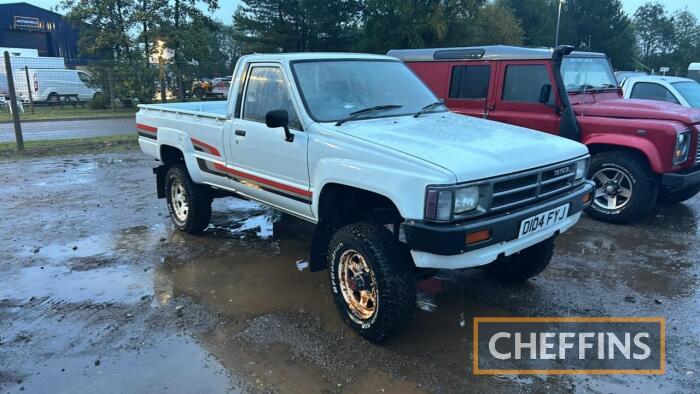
161 67
111 88
13 103
29 89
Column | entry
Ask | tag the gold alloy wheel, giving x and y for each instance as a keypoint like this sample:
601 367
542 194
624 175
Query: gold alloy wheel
358 285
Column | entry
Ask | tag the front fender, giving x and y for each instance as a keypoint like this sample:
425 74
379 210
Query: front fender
642 145
405 189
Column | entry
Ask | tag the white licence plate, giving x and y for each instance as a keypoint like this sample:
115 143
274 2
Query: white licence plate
542 221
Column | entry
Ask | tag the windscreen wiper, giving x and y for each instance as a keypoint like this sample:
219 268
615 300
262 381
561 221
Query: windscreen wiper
428 108
355 114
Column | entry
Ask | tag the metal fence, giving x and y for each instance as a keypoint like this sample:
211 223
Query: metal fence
55 98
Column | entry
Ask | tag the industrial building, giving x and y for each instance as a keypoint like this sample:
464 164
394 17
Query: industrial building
24 25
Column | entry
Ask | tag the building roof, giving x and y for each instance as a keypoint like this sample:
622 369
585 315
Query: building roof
22 3
488 52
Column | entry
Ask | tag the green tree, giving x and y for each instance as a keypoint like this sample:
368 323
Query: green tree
537 18
494 24
687 41
604 25
296 25
654 30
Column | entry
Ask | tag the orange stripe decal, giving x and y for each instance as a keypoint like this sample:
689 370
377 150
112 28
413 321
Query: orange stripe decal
210 148
150 129
291 189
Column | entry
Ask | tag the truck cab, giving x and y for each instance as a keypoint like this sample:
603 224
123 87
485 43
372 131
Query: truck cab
641 150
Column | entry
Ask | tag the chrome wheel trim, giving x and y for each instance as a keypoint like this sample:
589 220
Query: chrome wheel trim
178 200
358 286
613 189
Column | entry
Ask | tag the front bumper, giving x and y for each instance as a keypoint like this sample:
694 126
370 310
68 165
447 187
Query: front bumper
681 180
444 245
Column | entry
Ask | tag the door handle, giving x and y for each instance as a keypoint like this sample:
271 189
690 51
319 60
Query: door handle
240 133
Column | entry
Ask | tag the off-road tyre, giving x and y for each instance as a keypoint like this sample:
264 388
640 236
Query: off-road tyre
523 265
644 193
197 197
393 275
678 197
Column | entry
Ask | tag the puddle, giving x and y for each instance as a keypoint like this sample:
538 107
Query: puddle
124 284
170 365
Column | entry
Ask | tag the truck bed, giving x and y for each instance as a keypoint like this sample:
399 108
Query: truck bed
213 109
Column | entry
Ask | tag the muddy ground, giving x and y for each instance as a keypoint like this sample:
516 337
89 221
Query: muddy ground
98 293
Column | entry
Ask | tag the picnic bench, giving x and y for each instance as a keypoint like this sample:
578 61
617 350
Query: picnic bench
63 99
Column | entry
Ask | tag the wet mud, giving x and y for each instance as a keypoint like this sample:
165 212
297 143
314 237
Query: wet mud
99 293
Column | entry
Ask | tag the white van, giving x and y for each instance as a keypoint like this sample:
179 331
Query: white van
694 71
49 84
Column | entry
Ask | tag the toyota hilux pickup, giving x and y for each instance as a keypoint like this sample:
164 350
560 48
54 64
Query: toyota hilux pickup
641 150
396 185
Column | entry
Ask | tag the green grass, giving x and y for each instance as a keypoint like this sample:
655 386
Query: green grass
54 112
121 143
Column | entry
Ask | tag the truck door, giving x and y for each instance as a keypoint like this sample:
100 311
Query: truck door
469 87
266 165
520 96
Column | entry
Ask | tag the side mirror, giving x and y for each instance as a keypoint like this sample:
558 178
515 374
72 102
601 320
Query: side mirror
545 93
279 118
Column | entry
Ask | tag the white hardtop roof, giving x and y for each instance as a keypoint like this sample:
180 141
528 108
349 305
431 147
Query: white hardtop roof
657 78
487 52
295 56
694 66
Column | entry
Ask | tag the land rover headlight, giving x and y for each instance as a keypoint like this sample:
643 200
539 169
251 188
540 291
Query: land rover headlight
682 149
581 169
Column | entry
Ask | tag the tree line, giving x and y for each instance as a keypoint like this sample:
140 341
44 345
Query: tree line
130 32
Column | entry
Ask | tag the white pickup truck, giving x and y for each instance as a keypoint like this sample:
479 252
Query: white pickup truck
396 185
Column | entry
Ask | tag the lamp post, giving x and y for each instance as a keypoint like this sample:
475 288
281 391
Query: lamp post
556 39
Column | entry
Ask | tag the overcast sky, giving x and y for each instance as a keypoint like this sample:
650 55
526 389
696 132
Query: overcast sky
228 6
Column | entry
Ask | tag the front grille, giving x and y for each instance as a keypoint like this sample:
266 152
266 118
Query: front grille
519 189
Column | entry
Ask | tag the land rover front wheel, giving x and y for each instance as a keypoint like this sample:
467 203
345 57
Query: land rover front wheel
625 188
371 280
189 204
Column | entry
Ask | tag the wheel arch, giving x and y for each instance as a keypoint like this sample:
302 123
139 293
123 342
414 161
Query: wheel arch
340 204
648 154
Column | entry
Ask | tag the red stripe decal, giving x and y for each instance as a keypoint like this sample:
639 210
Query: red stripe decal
150 129
211 149
281 186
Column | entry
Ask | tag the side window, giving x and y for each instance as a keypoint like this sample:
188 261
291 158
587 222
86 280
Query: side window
470 82
523 83
84 77
268 91
652 91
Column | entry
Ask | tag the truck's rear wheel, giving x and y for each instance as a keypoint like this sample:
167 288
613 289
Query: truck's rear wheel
523 265
625 188
679 196
372 281
189 204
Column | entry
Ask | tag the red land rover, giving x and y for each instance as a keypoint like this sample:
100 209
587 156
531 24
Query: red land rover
642 150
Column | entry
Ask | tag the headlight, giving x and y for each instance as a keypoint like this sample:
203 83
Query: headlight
466 199
682 149
441 204
581 169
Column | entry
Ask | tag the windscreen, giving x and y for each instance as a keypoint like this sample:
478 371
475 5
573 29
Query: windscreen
690 90
583 73
333 89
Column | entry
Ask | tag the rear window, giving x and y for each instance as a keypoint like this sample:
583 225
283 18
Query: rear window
470 82
523 83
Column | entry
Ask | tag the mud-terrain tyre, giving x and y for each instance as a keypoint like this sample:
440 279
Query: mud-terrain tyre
189 204
678 197
625 190
367 257
523 265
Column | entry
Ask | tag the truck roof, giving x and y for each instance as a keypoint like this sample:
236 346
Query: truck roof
488 52
294 56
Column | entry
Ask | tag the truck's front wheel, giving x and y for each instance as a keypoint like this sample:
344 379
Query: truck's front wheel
625 188
523 265
372 281
189 204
